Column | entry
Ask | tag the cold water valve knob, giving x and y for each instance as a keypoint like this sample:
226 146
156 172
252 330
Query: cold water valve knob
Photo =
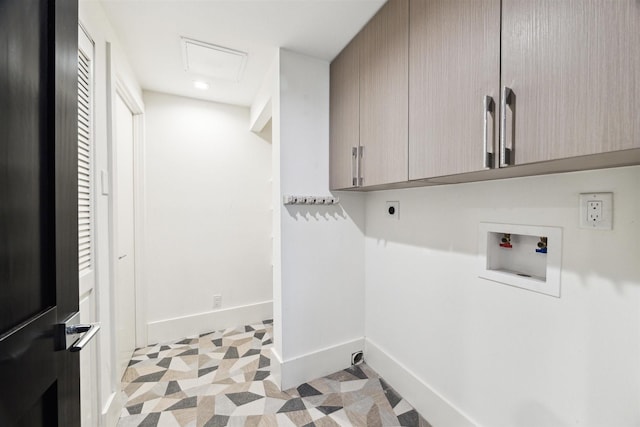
542 246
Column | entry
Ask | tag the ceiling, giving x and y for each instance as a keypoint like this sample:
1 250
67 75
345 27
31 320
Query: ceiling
151 30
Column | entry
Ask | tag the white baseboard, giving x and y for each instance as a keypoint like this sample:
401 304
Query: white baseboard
112 410
314 365
428 402
276 367
181 327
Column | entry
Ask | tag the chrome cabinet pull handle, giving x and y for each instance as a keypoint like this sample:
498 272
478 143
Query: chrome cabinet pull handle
487 155
355 166
505 153
360 156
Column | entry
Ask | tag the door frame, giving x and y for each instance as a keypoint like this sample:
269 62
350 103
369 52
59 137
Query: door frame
117 86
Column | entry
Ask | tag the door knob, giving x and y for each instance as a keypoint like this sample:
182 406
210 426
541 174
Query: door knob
74 336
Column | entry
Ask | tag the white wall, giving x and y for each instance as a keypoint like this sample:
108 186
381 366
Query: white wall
504 356
320 250
208 218
261 109
110 63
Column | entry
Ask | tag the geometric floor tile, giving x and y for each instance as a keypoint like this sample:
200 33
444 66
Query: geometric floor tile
223 378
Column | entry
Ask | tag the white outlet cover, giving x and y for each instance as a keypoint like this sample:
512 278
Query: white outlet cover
606 223
395 207
217 301
104 182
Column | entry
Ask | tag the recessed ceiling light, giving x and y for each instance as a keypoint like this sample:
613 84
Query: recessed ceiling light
201 85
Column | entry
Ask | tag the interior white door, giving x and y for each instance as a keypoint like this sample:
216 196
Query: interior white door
86 229
124 303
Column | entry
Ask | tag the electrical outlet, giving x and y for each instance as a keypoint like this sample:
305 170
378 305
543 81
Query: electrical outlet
393 210
596 211
217 302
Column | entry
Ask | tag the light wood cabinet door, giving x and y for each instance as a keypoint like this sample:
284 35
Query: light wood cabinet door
344 116
384 95
454 63
574 68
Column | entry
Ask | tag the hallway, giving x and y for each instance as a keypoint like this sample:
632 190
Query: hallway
223 378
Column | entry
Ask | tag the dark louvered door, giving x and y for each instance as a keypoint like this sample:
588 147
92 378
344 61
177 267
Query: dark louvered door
39 382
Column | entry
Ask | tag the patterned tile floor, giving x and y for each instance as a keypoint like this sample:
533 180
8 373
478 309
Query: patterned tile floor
223 378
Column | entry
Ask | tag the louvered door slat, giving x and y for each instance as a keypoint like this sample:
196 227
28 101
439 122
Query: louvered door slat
85 193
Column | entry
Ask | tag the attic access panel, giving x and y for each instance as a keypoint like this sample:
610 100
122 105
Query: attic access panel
209 60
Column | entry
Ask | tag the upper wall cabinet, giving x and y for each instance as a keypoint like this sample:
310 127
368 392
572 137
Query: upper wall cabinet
454 82
571 76
369 103
384 80
467 90
344 116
